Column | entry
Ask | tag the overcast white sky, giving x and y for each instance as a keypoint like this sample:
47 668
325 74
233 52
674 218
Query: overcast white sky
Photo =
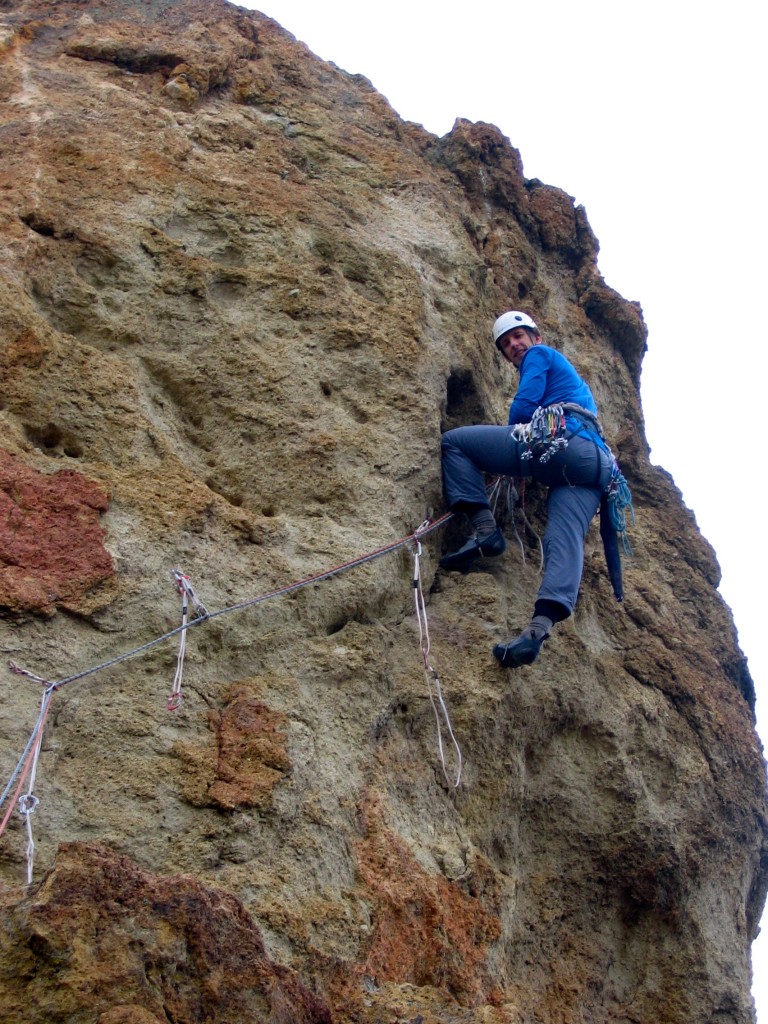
653 117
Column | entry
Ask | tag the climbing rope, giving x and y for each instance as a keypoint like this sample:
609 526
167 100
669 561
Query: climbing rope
251 602
620 506
28 801
442 718
26 767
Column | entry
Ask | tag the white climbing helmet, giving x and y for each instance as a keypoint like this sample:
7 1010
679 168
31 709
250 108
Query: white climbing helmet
512 319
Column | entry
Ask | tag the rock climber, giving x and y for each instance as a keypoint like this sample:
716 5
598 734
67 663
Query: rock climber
553 436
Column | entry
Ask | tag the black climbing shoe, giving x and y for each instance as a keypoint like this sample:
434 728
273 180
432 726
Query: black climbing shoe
523 651
488 547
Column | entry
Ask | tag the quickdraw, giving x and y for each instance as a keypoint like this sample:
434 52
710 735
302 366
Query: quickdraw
184 587
544 435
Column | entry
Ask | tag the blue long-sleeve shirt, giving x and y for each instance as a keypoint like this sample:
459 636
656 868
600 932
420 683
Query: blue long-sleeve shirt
547 378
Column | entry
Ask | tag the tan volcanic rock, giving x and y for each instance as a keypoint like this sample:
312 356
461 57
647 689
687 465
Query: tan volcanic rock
239 301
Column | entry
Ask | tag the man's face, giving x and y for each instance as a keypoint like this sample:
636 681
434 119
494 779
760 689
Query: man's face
514 344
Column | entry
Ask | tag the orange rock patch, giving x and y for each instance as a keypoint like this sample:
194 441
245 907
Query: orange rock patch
428 931
248 759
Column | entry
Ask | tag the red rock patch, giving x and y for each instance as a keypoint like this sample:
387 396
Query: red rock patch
51 539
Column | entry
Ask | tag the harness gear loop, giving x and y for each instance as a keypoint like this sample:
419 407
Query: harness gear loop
544 435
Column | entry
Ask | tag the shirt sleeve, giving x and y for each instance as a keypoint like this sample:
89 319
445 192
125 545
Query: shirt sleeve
533 385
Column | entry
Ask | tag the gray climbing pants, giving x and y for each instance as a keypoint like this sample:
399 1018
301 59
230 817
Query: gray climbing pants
576 477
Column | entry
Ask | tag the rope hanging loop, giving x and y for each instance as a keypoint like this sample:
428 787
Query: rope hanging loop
442 718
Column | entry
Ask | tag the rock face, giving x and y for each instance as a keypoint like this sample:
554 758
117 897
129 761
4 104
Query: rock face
240 301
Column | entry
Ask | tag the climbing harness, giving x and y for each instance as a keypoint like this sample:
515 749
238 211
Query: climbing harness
442 718
547 433
26 767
